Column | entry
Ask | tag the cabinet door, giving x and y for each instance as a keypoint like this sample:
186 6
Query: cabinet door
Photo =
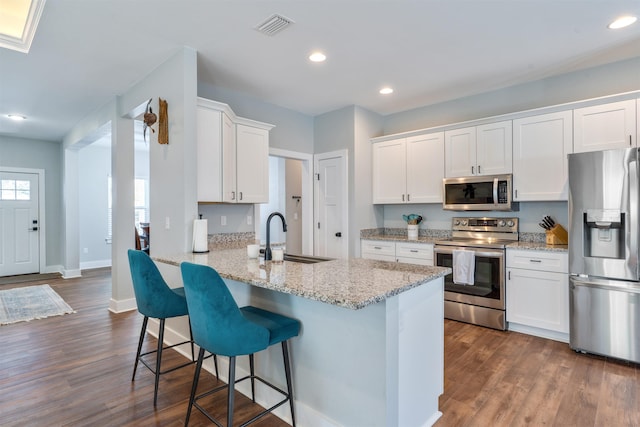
228 166
378 250
494 148
540 148
390 171
460 152
538 299
603 127
252 164
425 168
414 253
209 155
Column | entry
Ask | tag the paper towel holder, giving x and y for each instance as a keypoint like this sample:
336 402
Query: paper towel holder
198 241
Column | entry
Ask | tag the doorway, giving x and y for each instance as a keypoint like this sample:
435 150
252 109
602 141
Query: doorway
291 193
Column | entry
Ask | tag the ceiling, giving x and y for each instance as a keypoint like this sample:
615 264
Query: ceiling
86 52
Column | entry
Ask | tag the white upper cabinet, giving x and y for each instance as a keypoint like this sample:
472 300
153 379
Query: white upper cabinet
252 164
479 150
425 168
232 156
409 170
605 126
540 148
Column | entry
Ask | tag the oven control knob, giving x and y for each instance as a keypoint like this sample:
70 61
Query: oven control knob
456 222
464 222
510 223
501 223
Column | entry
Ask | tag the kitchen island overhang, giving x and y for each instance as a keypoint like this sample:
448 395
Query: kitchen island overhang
371 349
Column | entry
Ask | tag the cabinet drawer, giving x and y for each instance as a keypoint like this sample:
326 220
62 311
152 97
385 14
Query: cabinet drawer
414 250
557 262
378 248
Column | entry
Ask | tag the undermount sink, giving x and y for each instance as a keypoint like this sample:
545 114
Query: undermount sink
305 259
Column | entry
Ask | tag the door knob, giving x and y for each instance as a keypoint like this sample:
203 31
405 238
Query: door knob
338 234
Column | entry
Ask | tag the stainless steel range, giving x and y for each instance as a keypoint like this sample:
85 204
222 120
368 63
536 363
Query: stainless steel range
475 291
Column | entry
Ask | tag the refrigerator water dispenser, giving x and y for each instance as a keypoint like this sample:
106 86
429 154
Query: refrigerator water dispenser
604 234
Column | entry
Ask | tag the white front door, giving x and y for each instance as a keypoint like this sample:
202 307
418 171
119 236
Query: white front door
19 223
331 207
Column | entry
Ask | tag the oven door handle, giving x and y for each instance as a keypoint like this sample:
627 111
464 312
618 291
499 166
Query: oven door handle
479 252
495 191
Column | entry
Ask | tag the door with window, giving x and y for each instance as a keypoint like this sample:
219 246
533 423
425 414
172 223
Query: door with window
19 223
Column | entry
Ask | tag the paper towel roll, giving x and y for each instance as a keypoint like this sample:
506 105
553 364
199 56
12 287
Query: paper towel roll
200 238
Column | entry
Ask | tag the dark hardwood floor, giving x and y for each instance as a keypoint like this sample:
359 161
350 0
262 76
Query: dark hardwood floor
75 370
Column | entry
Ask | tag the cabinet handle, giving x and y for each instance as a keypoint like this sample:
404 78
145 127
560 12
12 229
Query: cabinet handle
471 170
408 197
241 195
479 169
233 195
509 275
403 197
377 247
516 194
535 260
415 251
630 141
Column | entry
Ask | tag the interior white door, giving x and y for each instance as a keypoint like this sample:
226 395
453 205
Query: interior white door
19 223
331 220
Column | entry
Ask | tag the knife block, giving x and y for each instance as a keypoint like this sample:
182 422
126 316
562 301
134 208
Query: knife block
557 235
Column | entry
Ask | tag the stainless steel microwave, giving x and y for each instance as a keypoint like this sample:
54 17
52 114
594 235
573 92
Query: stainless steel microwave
479 193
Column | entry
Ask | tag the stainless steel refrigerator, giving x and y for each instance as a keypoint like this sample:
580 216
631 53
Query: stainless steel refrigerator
604 285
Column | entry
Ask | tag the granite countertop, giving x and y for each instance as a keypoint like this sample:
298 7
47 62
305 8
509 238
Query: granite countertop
401 238
533 242
538 246
351 283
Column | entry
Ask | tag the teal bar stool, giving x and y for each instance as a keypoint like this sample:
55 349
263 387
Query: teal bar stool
157 300
220 327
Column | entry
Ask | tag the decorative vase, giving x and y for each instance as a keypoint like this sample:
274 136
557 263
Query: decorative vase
412 231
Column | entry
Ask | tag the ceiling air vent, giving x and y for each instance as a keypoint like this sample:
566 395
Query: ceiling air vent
273 24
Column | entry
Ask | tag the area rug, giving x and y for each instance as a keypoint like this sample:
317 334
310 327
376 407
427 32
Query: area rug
31 302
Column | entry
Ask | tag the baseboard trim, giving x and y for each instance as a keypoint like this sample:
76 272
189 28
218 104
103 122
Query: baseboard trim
90 265
52 269
539 332
120 306
70 274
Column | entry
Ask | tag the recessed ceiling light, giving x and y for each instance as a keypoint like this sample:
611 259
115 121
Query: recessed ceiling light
16 117
623 21
386 91
317 57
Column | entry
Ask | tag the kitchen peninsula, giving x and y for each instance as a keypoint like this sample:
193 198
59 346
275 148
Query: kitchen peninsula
371 347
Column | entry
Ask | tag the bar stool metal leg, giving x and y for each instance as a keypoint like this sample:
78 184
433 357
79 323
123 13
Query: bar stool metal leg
287 373
194 387
158 360
142 333
252 371
231 390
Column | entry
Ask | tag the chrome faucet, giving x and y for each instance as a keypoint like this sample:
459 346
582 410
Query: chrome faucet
267 248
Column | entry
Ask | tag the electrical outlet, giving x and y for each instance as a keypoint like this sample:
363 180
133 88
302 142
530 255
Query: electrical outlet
249 219
223 220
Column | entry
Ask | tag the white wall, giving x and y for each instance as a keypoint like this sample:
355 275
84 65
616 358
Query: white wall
619 77
94 168
293 206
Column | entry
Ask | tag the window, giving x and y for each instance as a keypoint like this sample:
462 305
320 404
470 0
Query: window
141 203
15 189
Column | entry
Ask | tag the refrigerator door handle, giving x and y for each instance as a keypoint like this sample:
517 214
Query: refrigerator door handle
633 214
610 285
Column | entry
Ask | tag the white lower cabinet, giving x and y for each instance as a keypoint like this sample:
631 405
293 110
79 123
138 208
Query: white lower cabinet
537 292
405 252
